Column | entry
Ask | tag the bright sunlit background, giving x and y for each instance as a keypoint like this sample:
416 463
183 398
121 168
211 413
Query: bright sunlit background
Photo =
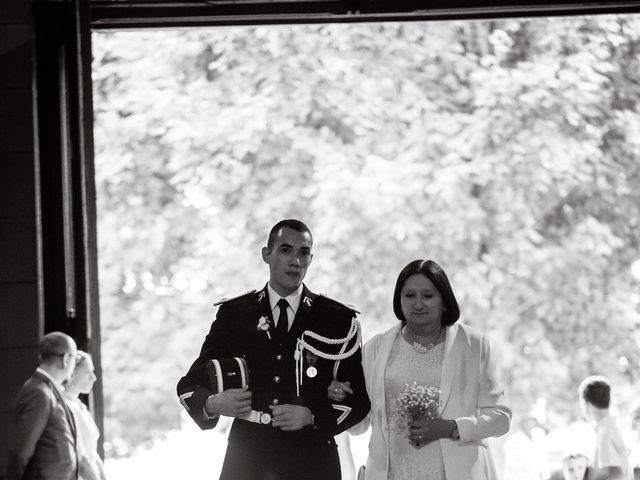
506 150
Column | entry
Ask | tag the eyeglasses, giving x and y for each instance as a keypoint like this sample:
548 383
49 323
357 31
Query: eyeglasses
73 355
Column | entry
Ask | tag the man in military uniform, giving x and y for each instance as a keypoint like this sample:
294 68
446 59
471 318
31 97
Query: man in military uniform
284 422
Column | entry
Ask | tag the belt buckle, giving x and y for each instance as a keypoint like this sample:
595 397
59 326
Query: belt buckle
264 418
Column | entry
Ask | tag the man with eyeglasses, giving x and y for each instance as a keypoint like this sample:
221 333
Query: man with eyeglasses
44 440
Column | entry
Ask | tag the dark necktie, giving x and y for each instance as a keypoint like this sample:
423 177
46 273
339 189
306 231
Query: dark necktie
283 323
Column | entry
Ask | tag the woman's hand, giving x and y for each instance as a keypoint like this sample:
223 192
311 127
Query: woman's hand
424 431
338 391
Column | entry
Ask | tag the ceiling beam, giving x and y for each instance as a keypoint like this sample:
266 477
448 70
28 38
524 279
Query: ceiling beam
119 14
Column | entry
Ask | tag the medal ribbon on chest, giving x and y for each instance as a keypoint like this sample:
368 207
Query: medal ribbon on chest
311 371
302 344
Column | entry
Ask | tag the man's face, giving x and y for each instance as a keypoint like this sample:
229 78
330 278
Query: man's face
573 468
288 260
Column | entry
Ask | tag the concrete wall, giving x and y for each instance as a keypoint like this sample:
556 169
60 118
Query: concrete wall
20 325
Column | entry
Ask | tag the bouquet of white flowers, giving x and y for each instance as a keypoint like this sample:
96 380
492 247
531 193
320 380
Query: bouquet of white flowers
415 402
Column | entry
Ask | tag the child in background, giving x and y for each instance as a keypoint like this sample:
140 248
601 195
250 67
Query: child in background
611 458
575 466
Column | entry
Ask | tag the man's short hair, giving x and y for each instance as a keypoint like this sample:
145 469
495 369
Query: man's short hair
596 391
291 223
54 344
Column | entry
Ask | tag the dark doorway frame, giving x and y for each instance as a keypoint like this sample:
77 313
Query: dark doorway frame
64 113
141 13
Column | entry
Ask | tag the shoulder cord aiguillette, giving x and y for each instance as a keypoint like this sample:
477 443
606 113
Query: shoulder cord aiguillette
354 331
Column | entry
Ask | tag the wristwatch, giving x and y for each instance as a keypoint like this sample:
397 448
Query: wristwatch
455 434
209 405
208 410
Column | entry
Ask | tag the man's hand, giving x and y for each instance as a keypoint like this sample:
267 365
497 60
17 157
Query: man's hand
290 417
235 402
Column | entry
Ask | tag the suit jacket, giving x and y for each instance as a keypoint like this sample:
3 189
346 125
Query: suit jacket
262 451
469 393
44 446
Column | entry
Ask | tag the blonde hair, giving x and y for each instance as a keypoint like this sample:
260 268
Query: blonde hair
81 357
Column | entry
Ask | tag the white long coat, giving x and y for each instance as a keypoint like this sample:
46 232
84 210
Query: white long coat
470 394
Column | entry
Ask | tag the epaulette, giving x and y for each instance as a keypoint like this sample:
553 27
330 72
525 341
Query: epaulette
228 299
346 305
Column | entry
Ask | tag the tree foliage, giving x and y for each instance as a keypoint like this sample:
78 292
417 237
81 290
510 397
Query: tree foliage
506 150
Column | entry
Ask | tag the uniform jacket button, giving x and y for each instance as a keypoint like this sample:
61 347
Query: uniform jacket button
276 379
275 401
278 357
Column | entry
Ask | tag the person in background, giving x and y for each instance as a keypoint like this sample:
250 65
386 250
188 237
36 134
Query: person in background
634 455
611 458
44 442
575 466
525 451
90 466
429 348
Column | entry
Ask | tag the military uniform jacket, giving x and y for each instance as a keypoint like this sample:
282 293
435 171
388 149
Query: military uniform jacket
272 379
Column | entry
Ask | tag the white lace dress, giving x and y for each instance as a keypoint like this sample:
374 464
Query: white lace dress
406 366
87 441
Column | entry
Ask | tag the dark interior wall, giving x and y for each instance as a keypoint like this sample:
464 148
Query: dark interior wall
22 282
20 305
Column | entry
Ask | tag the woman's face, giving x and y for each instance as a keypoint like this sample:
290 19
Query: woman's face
83 376
421 302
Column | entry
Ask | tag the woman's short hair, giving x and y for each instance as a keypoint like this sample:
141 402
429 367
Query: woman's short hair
435 273
596 391
82 356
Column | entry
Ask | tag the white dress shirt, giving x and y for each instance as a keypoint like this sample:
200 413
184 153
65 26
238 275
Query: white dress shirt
293 300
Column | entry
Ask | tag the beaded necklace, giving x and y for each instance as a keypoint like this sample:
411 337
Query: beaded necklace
415 343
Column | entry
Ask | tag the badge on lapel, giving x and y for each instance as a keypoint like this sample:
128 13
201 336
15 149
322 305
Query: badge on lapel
263 324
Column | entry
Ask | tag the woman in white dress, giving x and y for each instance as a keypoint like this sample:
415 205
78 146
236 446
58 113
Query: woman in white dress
429 348
90 466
